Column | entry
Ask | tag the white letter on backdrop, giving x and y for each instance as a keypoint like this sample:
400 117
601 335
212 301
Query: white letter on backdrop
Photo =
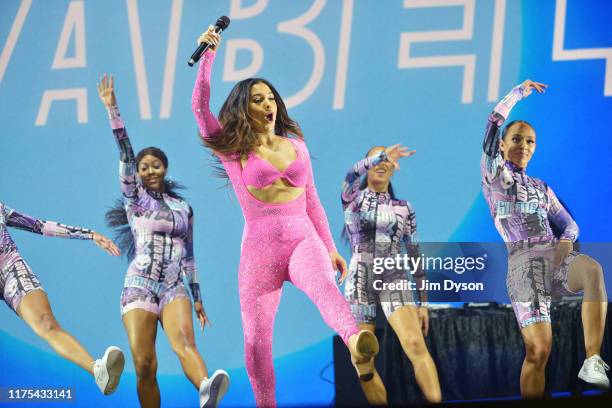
344 46
561 54
73 23
467 61
237 12
138 56
297 27
50 96
11 40
497 45
230 73
171 51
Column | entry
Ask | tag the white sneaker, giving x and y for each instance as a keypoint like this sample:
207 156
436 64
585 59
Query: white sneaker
594 370
213 389
108 369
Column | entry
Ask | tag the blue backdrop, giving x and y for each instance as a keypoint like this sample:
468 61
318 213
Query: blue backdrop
354 73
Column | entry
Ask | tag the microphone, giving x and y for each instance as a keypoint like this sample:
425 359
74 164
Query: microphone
220 25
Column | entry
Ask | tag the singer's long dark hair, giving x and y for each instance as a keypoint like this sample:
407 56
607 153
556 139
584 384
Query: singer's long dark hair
237 134
116 216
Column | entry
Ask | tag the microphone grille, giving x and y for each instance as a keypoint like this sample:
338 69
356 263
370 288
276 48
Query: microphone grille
223 22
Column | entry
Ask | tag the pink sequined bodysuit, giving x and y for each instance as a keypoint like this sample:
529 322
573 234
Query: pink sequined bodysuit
286 241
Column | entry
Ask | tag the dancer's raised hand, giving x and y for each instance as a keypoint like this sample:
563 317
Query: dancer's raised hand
396 152
529 85
106 90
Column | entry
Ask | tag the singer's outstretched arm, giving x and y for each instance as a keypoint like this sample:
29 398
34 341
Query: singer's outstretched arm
200 100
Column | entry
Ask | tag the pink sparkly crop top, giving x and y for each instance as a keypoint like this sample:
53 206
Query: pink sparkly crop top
260 173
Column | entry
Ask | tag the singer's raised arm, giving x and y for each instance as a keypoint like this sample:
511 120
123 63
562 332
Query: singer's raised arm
200 101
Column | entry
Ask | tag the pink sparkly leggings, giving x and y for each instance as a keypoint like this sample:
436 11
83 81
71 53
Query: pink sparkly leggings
277 248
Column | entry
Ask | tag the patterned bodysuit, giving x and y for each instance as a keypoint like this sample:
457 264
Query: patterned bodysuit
377 226
16 277
281 242
162 227
523 208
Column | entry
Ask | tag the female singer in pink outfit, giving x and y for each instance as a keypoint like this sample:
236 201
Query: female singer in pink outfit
286 234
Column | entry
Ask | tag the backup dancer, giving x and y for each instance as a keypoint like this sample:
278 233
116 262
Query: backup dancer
541 266
377 225
286 235
156 226
22 292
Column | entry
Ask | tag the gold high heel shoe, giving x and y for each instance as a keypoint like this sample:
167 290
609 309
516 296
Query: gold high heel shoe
364 350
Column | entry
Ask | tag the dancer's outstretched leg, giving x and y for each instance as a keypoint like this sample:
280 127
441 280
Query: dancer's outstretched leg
36 311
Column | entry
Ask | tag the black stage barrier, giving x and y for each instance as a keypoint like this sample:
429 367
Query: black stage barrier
478 352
